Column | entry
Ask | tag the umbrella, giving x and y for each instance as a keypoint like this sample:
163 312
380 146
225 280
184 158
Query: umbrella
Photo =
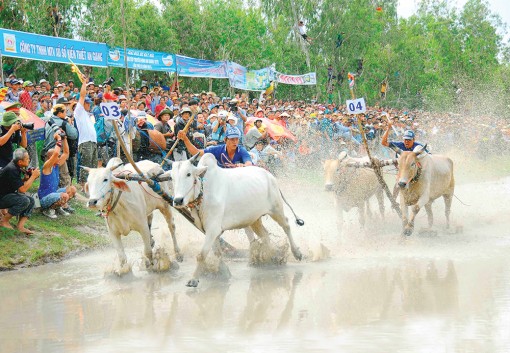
275 130
28 117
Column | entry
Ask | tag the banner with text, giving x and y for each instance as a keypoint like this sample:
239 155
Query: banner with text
191 67
250 80
306 79
141 59
39 47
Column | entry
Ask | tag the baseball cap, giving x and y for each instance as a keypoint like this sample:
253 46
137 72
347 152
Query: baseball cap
88 100
27 83
232 117
222 114
110 96
42 81
121 97
233 132
63 100
14 81
408 135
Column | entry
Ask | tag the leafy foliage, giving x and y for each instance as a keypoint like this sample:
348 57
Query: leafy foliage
425 59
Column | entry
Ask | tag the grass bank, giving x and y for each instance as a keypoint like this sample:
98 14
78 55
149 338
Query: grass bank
54 240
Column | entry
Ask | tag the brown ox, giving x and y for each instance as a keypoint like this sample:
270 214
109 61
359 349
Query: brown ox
422 178
353 187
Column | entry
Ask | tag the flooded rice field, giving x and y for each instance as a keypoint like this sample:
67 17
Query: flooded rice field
364 290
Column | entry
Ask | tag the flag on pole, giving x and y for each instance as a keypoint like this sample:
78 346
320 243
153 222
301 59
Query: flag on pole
351 79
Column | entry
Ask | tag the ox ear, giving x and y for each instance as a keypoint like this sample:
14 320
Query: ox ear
86 188
87 169
169 162
120 184
200 171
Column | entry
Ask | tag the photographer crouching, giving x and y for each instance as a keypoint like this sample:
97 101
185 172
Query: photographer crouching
16 180
12 132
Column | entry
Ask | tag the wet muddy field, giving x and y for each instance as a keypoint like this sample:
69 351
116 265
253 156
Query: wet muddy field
364 290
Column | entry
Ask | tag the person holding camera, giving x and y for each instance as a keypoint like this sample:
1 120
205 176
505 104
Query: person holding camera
16 180
12 132
240 115
59 121
219 128
52 197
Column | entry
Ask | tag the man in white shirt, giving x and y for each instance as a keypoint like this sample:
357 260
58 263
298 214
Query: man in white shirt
87 138
302 31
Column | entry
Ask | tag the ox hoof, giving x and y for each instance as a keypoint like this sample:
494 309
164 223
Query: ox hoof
192 283
408 231
179 257
297 254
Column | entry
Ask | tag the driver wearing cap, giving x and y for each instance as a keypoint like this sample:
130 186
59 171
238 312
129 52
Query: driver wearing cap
408 143
229 155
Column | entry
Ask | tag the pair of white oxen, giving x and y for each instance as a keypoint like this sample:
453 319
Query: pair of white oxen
218 200
421 179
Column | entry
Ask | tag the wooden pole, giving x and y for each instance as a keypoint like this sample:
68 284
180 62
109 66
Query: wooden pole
127 75
378 173
2 67
186 128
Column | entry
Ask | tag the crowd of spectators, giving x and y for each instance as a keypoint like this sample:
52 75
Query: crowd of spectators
76 133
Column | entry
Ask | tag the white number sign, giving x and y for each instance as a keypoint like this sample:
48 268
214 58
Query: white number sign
111 111
356 106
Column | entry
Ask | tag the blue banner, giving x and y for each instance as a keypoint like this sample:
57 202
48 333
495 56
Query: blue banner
60 50
191 67
141 59
250 80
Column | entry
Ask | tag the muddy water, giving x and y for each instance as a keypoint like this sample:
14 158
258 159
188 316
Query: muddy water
375 292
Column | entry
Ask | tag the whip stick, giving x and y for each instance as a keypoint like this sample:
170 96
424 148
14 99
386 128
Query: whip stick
188 124
377 171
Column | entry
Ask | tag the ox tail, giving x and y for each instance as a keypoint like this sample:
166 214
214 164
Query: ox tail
299 221
465 204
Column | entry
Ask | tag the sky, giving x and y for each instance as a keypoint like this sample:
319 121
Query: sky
501 7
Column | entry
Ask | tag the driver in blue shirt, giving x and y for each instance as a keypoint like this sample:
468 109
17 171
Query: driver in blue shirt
229 155
408 143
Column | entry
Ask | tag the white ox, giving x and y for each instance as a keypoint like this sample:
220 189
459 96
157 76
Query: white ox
422 178
353 186
225 199
128 204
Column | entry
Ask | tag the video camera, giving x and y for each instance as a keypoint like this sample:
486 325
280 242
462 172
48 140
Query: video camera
109 81
232 106
28 126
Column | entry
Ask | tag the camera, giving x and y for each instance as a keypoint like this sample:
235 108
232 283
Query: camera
109 81
29 171
28 126
232 107
62 134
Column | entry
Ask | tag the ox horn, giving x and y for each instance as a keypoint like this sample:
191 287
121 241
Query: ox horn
169 162
193 160
116 166
424 148
396 149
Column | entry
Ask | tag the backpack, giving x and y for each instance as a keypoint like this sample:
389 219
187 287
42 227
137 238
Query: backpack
103 129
